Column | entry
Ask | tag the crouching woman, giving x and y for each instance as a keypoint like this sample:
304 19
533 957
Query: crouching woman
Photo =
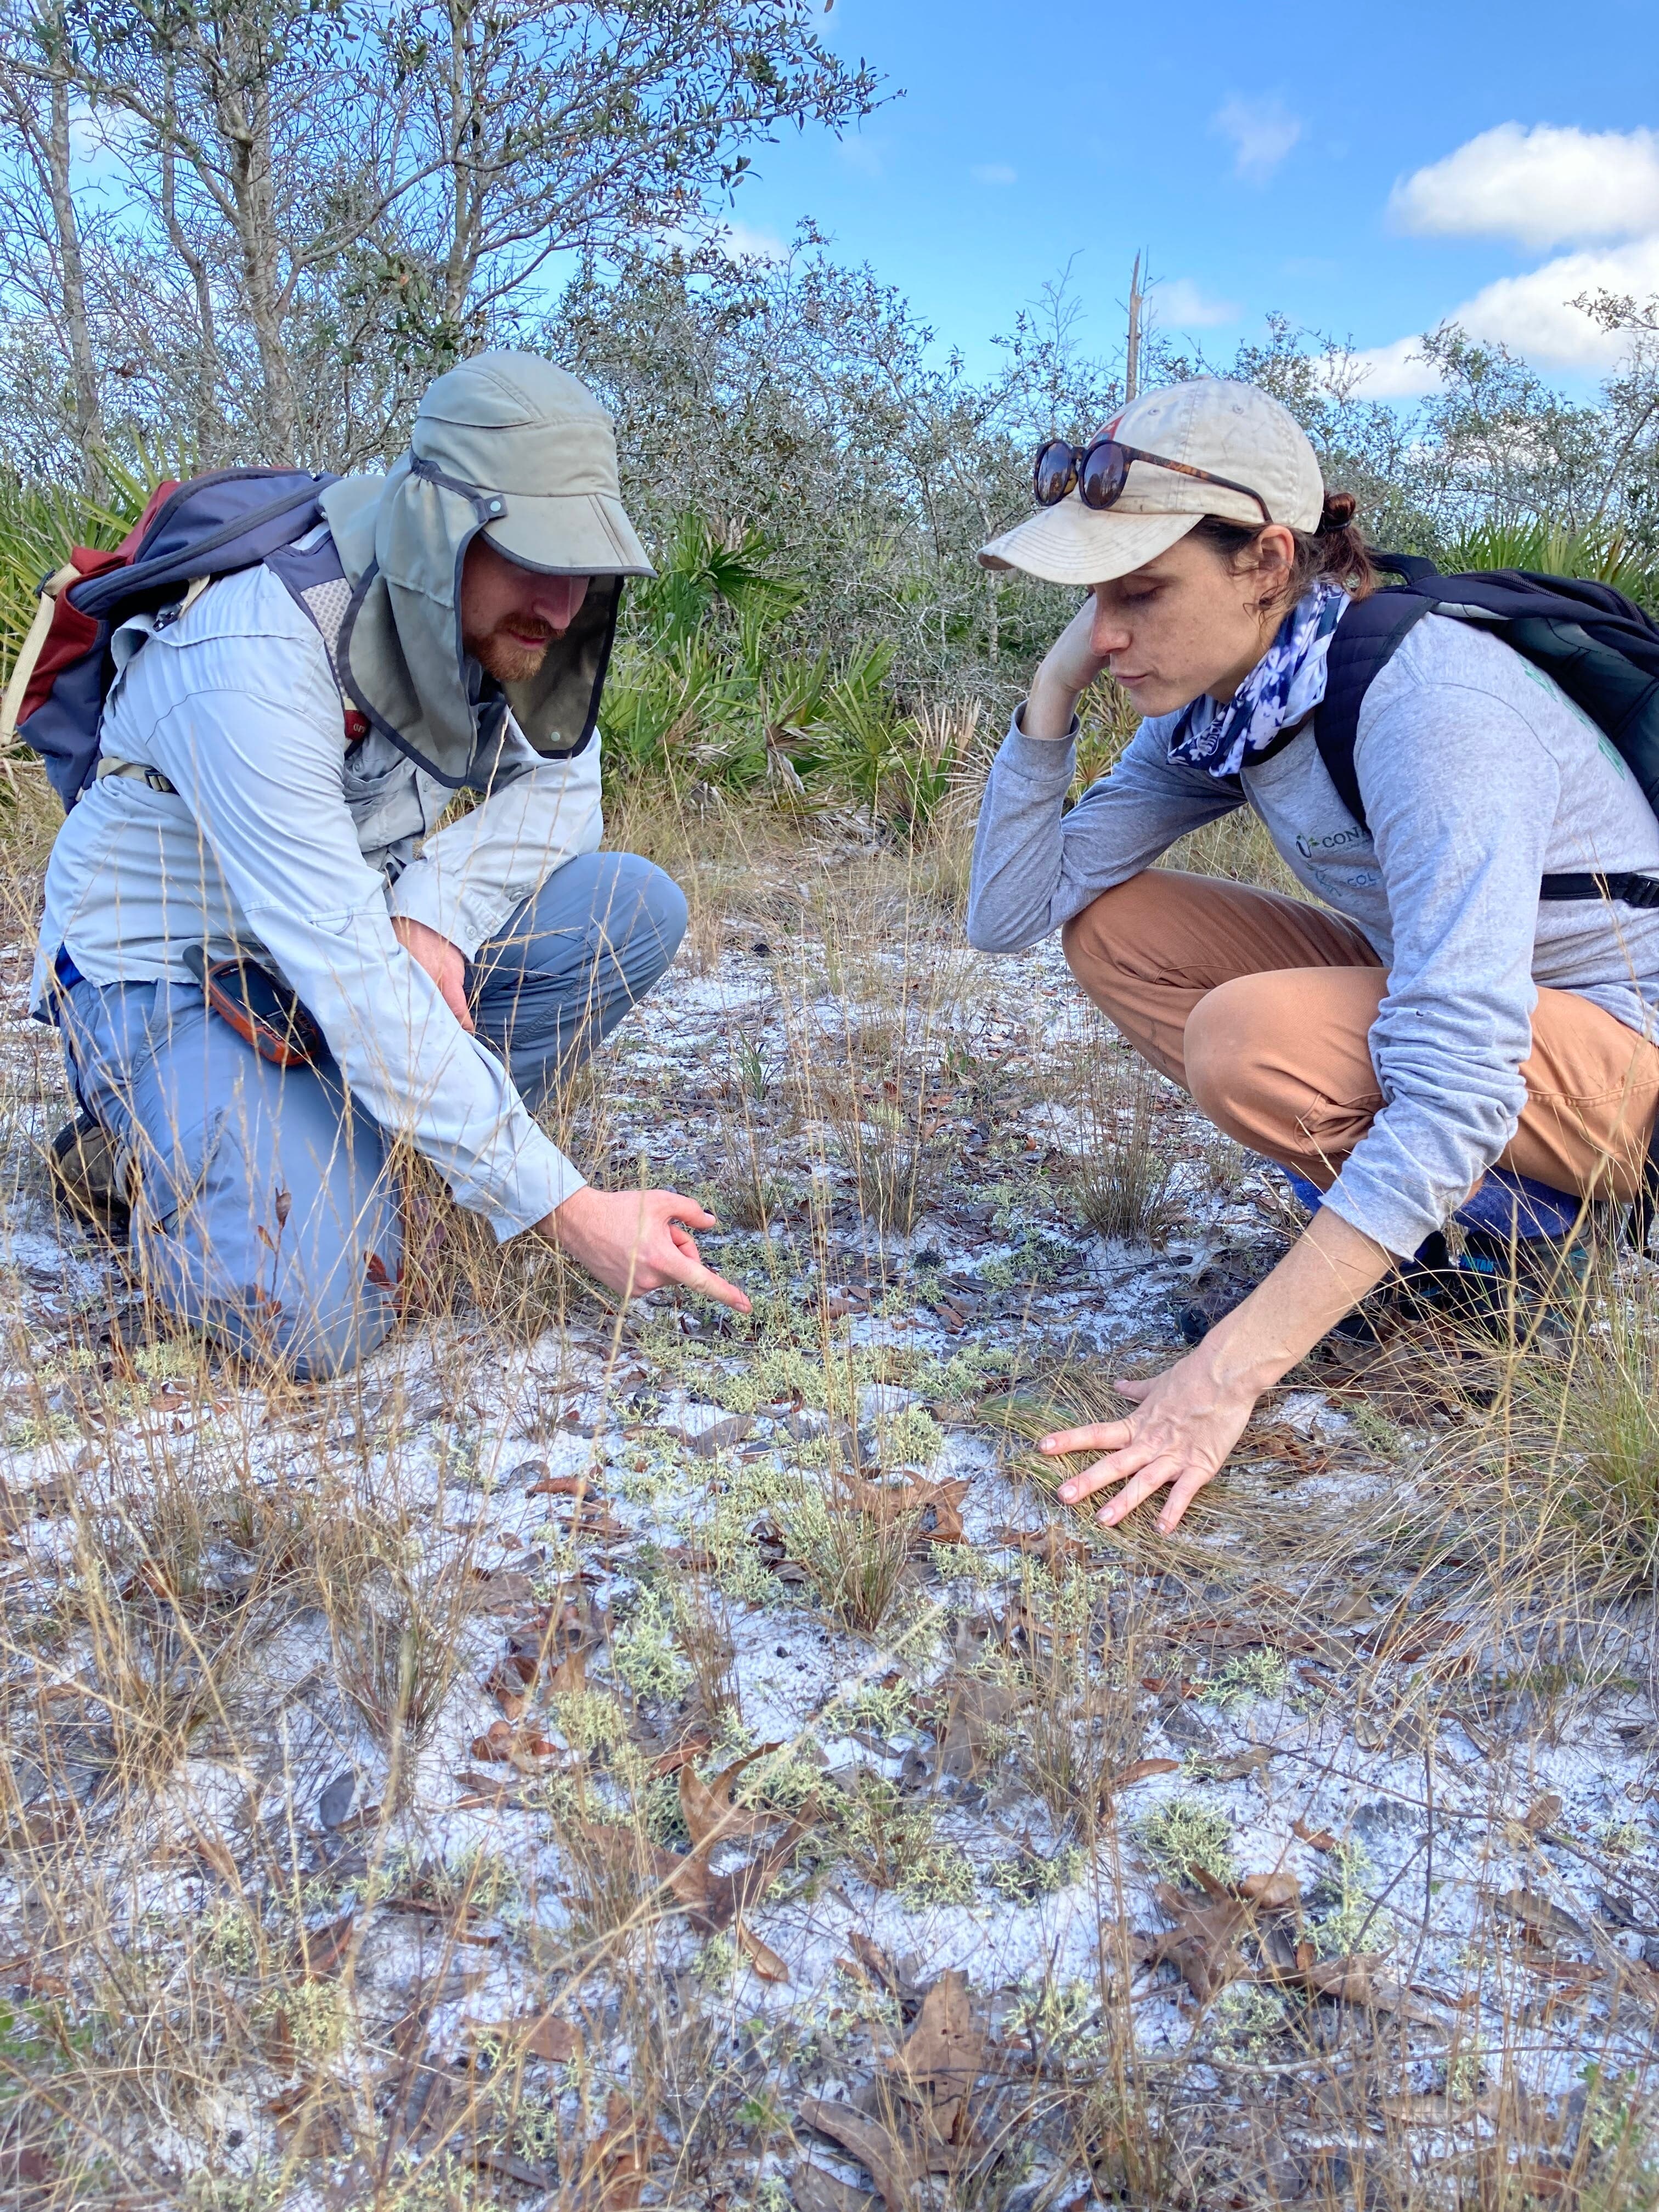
1428 1043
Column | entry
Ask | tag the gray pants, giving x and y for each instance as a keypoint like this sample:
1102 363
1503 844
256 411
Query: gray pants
265 1213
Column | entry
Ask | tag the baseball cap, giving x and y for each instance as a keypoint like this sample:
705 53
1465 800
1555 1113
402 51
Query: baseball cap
524 431
1211 423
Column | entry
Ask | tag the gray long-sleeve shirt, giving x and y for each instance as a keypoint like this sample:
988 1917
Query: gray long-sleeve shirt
274 839
1478 776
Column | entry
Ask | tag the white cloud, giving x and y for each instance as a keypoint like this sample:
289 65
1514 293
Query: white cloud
1262 131
1597 191
741 241
1545 186
1396 371
993 173
863 154
1533 315
1183 305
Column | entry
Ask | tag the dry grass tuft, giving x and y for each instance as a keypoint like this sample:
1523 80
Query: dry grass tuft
1123 1177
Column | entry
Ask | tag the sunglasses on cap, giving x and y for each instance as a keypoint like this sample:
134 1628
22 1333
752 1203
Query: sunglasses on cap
1099 473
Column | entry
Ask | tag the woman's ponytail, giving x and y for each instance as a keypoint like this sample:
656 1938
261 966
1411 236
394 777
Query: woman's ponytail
1336 549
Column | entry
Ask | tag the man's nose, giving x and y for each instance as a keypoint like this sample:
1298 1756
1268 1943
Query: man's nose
558 600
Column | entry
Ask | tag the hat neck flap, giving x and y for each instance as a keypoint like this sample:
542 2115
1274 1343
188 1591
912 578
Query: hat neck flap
401 539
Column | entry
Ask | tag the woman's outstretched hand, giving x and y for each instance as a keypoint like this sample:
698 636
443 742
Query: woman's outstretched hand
1187 1420
639 1240
1184 1424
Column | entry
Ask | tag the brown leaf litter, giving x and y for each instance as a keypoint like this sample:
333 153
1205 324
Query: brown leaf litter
711 1902
712 1814
916 2118
616 2165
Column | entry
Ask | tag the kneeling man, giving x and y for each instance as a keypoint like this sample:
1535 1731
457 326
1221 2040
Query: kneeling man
273 760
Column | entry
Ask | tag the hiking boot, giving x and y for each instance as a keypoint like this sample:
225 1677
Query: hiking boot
1497 1283
83 1160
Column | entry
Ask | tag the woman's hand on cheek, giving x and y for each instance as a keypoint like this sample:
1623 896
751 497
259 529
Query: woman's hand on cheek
1069 667
1184 1424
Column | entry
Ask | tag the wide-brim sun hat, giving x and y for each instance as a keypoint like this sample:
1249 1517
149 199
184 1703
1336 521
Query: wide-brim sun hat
1226 429
509 449
527 434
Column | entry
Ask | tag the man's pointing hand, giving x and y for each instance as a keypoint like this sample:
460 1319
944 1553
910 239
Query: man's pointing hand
638 1240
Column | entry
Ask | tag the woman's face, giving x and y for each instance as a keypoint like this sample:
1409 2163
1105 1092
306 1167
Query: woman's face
1190 622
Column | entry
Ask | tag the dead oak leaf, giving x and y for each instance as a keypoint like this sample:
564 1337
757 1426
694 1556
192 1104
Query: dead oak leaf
729 1894
1138 1770
618 2164
1203 1945
942 2059
322 1949
1317 1839
712 1814
523 1748
896 1975
1058 1550
1278 1891
761 1956
507 1687
561 1486
1353 1981
548 2038
1543 1812
892 2164
978 1710
501 1589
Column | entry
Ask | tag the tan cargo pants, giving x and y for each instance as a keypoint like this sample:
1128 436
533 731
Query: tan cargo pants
1261 1009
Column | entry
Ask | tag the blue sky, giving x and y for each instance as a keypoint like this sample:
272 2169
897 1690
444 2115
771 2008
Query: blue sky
1366 172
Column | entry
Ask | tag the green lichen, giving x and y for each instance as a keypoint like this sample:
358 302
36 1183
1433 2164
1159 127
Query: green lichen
910 1438
1246 1676
644 1654
1248 2022
1182 1834
589 1720
1059 2017
938 1876
1029 1876
1343 1917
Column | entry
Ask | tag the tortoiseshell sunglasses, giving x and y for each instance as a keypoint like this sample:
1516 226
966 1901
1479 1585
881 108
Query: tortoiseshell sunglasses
1100 471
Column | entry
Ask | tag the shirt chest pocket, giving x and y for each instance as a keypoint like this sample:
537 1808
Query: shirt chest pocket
382 794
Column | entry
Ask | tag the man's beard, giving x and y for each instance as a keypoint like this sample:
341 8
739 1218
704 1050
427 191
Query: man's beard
510 659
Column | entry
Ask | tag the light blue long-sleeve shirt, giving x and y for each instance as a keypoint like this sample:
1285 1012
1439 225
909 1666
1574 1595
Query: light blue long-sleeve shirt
273 839
1478 776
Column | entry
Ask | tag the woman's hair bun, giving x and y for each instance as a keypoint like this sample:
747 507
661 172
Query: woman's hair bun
1339 511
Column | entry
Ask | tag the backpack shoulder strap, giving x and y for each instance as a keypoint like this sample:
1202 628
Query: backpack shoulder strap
1362 645
315 580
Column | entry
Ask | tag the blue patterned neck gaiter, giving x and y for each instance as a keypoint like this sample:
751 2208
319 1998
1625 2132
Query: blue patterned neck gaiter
1287 683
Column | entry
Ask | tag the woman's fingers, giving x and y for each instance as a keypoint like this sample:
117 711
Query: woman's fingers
1101 1435
1175 1505
1127 1387
1138 1488
1128 1459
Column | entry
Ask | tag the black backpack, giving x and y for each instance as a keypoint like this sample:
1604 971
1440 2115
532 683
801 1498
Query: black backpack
1601 649
211 527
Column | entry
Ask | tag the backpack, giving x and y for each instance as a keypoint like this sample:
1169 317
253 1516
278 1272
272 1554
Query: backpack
1602 650
188 535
